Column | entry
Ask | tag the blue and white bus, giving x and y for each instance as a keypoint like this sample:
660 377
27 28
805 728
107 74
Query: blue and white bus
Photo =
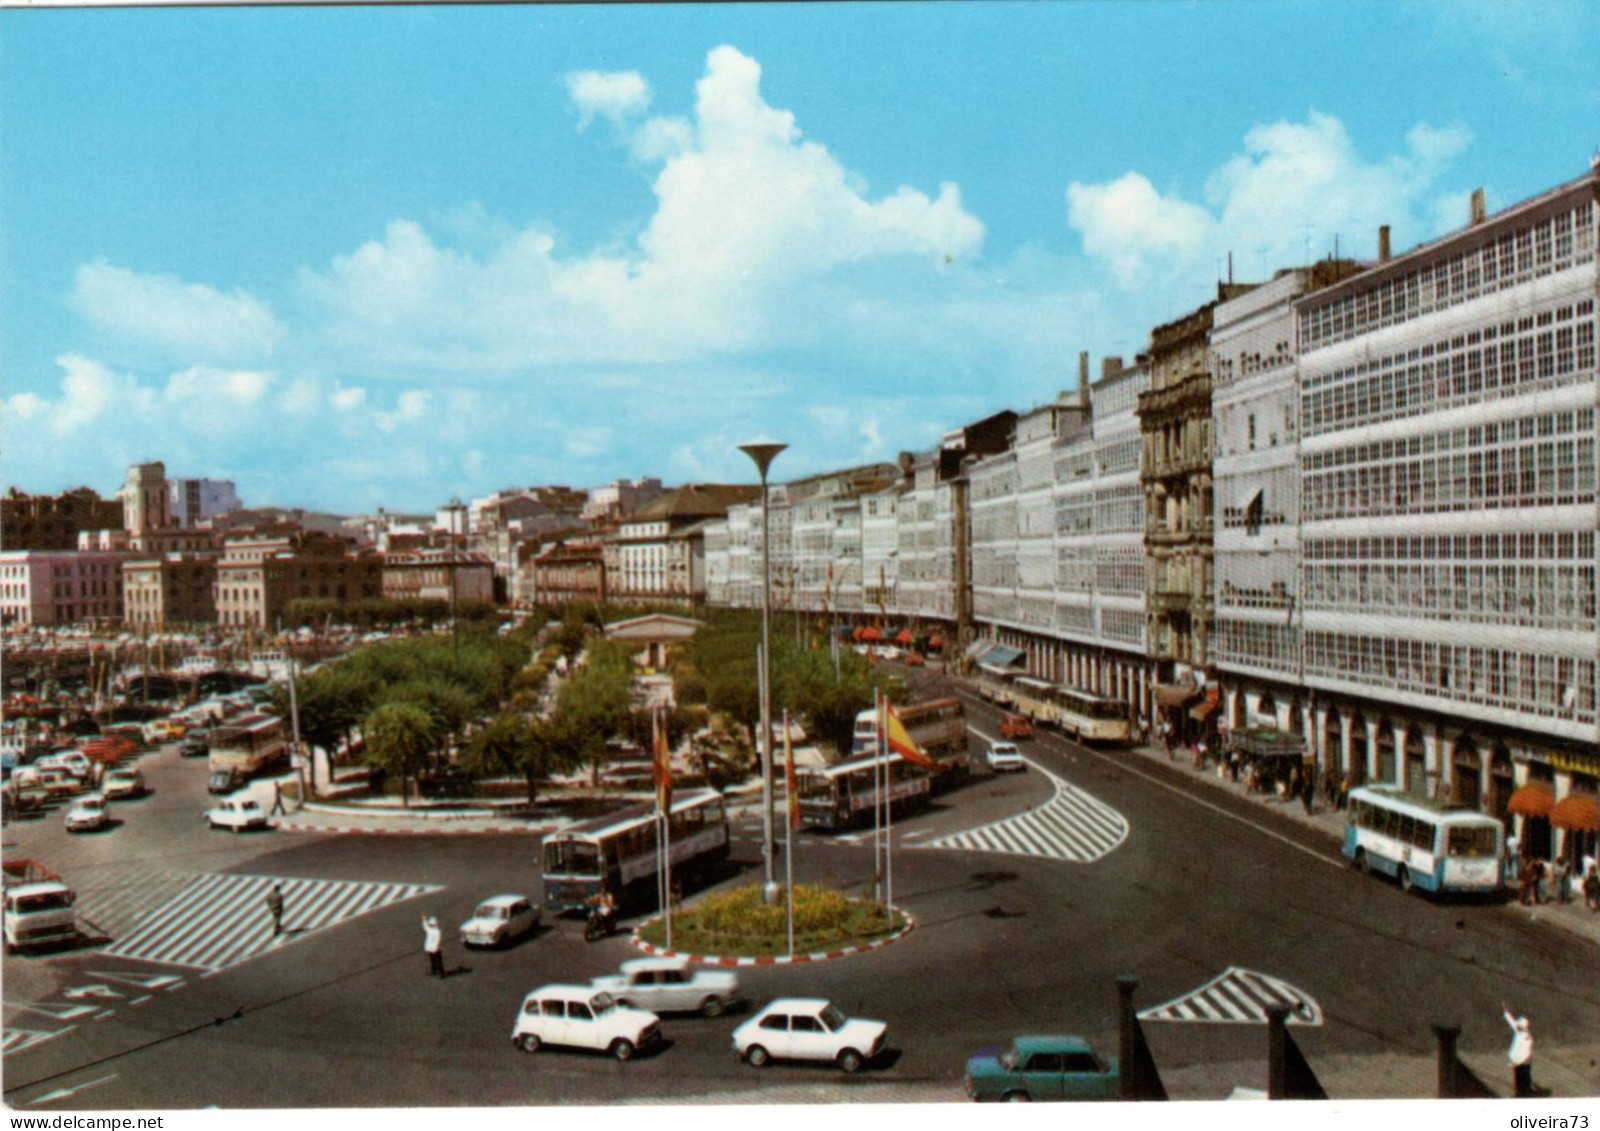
849 793
1426 845
618 852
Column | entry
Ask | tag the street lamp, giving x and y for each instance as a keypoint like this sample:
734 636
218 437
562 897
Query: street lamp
763 455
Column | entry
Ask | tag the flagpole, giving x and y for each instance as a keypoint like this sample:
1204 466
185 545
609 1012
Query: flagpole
788 837
880 762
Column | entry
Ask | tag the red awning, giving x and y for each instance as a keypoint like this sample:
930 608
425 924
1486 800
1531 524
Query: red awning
935 642
1577 811
903 636
1203 711
859 634
1535 799
870 635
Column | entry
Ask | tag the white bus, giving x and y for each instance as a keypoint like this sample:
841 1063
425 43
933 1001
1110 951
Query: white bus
994 683
848 793
1034 698
1425 844
1092 718
618 851
937 726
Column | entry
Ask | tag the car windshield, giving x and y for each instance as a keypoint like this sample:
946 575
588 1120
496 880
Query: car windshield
832 1018
602 1003
491 911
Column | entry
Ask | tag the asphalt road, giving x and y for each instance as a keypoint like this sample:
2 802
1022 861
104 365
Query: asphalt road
1178 894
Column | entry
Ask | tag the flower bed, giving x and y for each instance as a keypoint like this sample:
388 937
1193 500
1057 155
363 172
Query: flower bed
739 924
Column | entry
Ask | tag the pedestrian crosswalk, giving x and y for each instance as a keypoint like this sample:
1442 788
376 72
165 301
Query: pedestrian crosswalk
1238 997
119 896
1072 825
217 920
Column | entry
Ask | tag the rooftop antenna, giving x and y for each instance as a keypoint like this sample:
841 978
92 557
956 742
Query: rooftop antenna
1594 159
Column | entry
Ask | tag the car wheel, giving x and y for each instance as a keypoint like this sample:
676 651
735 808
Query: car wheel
1362 864
213 825
850 1060
713 1007
757 1057
622 1048
528 1042
1404 876
1018 1098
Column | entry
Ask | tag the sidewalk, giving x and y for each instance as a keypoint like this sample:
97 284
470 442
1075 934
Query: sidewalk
1574 918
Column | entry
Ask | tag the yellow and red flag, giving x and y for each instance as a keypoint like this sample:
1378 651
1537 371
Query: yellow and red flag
661 757
791 793
901 742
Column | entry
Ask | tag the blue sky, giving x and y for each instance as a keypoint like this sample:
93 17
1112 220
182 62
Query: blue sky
355 257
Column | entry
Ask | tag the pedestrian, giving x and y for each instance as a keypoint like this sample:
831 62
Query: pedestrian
1591 887
433 945
1344 792
1520 1054
1541 881
1528 883
277 800
1513 864
275 908
1562 878
1307 794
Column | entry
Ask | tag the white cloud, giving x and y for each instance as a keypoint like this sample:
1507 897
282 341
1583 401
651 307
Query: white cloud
1281 201
186 317
614 95
347 400
410 405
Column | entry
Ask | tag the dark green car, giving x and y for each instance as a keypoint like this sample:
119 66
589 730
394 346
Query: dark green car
1042 1068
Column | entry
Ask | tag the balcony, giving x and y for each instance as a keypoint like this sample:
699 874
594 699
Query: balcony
1165 602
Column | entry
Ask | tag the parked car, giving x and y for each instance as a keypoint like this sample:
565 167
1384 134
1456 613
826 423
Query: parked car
121 784
87 814
1016 726
195 744
238 814
53 783
1004 756
74 762
1042 1068
225 781
498 920
792 1028
671 985
583 1017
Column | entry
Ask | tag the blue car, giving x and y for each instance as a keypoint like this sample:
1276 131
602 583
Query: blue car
1042 1068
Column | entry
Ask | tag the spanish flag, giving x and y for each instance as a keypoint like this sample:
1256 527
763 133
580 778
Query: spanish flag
661 756
790 792
901 742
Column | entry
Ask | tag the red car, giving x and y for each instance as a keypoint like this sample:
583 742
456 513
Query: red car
1016 726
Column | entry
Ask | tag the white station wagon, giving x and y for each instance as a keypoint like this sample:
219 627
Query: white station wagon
671 985
498 920
794 1028
583 1017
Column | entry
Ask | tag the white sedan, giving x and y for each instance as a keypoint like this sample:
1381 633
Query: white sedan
238 814
88 814
583 1017
121 784
498 920
792 1028
671 985
1004 756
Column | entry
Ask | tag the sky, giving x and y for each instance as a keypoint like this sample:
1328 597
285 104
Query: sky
352 257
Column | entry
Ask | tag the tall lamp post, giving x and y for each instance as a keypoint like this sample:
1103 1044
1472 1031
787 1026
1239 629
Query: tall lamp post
763 455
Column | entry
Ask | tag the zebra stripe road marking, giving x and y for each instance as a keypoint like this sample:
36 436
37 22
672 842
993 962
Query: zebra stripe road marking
1238 997
15 1040
1072 825
219 920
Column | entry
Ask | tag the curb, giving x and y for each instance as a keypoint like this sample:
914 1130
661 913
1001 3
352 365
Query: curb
362 830
777 960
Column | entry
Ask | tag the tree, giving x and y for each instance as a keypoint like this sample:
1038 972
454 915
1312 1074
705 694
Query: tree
400 737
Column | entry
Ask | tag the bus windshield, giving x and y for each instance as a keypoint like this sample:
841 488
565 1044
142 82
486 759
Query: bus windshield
1471 842
571 857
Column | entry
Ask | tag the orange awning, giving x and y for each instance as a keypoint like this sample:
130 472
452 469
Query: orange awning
1577 811
1535 799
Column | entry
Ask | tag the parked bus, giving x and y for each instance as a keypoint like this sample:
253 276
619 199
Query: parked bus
938 727
848 793
249 744
1034 698
618 851
1092 718
994 683
1423 843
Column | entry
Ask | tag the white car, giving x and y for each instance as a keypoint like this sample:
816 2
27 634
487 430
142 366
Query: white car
498 920
238 814
671 985
87 814
74 762
122 784
1004 756
583 1017
796 1028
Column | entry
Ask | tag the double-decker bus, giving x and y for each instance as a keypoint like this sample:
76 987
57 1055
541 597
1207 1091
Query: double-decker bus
1092 718
1425 844
994 683
618 852
1034 698
938 727
848 793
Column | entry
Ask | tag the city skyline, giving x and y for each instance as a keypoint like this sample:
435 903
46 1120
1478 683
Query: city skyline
526 248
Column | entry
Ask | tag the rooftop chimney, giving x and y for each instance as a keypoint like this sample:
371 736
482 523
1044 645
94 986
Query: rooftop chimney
1383 244
1083 369
1479 211
1110 367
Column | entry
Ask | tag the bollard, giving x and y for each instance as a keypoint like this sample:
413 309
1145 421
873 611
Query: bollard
1126 984
1449 1077
1277 1061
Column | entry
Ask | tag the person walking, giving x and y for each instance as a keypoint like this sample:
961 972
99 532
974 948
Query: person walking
433 946
1520 1054
275 909
1563 879
277 801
